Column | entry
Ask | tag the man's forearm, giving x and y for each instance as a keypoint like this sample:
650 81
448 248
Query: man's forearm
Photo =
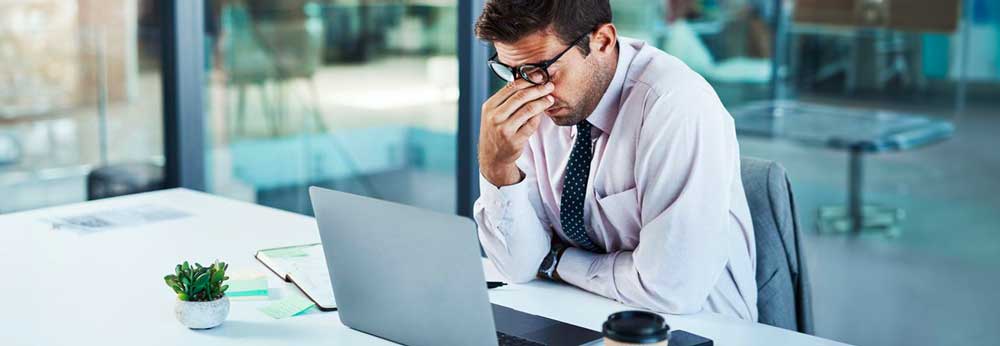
511 230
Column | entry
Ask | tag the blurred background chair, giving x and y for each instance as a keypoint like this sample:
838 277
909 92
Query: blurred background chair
124 179
269 46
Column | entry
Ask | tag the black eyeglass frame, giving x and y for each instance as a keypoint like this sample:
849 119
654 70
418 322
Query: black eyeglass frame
520 70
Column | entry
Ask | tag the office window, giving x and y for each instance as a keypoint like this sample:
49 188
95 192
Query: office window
80 90
727 42
934 197
354 96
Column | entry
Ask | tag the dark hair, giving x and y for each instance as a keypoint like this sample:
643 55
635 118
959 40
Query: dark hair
508 21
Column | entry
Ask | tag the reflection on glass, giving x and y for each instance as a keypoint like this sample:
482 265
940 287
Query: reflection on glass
80 90
355 96
727 42
895 50
890 51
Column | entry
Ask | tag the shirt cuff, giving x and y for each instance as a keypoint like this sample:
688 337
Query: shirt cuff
589 271
574 265
496 201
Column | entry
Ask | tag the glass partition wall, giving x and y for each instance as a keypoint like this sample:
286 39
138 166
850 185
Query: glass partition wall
359 96
80 90
730 43
932 59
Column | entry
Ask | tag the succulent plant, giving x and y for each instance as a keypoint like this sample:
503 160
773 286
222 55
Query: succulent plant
198 283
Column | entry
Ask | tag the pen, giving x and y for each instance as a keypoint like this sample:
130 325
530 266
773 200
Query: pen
495 284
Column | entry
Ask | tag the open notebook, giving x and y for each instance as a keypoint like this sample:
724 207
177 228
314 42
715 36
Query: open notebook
305 267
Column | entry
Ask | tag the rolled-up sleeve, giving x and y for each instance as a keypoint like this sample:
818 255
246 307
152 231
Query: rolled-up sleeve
684 167
510 221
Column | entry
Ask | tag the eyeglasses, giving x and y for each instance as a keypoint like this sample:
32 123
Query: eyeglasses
537 73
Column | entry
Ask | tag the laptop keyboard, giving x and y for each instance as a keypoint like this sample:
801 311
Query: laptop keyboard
510 340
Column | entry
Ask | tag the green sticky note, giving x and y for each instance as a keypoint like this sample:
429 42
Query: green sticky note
297 251
310 309
289 306
252 287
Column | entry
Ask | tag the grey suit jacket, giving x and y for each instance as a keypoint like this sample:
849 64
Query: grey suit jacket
783 292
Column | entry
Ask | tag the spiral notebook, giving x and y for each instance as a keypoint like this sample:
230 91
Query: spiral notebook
305 267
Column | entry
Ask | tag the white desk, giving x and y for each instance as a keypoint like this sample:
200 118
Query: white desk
67 287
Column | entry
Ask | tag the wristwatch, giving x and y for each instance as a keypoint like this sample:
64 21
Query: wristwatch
548 267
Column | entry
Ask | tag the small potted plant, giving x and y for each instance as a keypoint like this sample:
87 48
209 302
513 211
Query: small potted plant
201 294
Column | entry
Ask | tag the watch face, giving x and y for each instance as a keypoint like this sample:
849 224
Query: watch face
546 264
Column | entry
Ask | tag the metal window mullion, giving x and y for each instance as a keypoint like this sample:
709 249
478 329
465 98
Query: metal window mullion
183 93
473 86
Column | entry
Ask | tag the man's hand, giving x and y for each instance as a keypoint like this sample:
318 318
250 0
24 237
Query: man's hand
509 118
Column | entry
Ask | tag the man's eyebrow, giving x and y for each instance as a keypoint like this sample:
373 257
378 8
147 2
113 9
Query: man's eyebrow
528 61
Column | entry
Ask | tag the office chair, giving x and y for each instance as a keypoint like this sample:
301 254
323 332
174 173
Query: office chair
783 292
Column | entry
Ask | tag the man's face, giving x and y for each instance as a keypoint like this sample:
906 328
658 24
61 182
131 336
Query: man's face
579 81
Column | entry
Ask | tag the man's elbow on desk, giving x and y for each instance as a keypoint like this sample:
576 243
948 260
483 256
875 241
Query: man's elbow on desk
664 301
681 306
516 273
521 277
618 278
675 297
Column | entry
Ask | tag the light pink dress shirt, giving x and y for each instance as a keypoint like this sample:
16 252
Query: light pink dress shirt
664 197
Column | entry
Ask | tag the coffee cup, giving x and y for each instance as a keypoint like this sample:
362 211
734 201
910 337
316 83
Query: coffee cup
636 328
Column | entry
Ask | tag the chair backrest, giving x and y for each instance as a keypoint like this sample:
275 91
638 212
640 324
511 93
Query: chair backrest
124 179
259 49
783 293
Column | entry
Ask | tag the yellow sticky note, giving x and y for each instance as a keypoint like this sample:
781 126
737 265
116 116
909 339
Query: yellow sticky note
291 305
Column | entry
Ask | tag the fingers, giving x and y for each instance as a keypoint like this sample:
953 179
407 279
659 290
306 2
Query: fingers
501 95
520 99
529 127
528 111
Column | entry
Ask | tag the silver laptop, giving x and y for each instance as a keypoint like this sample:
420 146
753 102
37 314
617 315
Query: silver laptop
415 277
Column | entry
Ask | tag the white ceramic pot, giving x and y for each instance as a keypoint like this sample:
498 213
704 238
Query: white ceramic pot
202 315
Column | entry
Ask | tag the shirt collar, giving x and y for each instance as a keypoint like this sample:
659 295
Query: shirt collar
606 112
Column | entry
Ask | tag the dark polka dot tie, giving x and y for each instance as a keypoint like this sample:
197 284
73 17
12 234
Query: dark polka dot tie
575 189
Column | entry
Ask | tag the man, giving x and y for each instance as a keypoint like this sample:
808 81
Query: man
609 165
